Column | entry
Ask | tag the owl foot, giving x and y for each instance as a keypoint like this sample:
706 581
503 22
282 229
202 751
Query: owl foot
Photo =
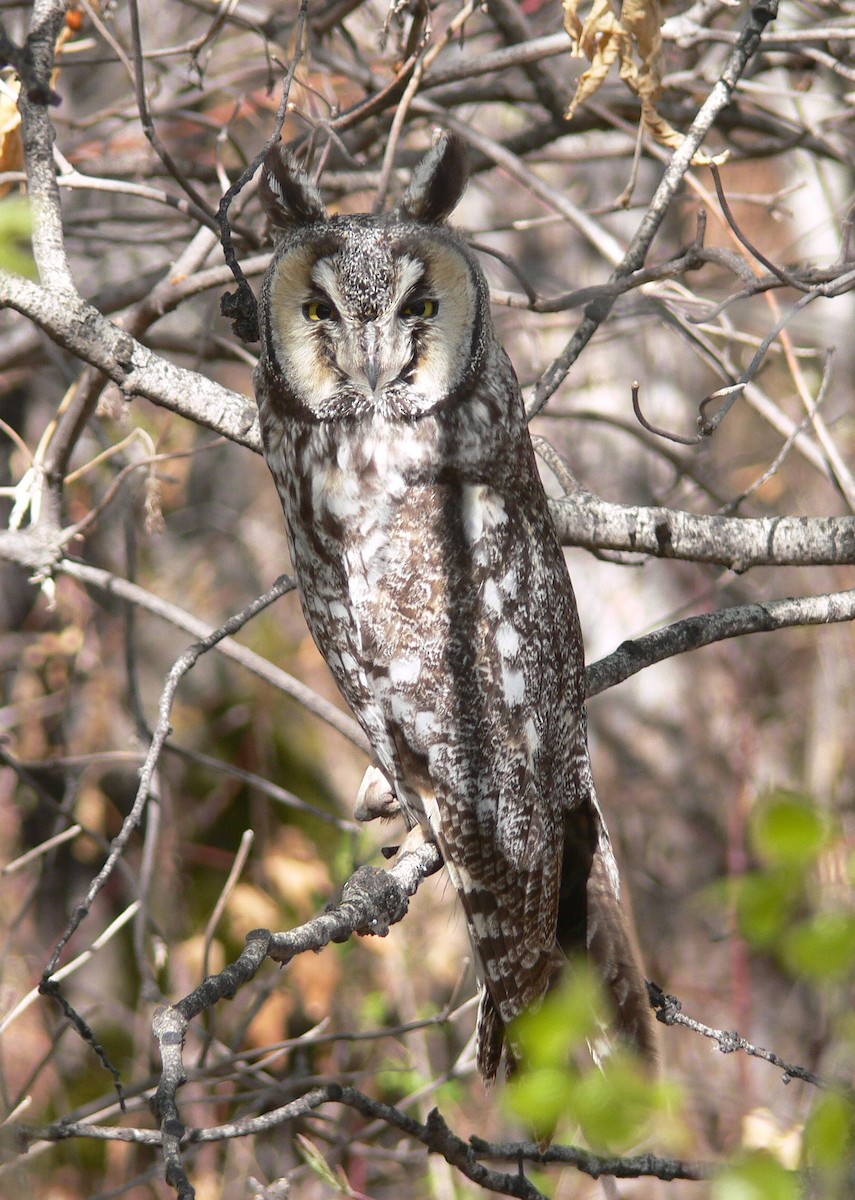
417 836
375 797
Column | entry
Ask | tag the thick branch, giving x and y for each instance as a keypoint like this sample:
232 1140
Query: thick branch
138 371
585 520
38 137
694 632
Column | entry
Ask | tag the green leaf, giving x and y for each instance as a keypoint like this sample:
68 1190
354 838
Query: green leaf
615 1105
541 1097
757 1176
830 1132
569 1017
15 233
823 946
764 904
612 1103
786 829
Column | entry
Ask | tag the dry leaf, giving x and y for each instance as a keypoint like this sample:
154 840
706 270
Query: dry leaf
633 40
11 145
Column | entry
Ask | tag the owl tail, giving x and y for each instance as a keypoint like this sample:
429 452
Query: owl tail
613 949
489 1038
593 921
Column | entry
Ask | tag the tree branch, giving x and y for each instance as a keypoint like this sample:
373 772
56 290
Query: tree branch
693 632
669 1011
138 371
759 16
434 1134
115 585
585 520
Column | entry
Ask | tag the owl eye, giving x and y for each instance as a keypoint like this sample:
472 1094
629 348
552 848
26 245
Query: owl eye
318 310
420 308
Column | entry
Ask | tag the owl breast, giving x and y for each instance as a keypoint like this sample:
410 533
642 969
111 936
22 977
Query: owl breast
411 573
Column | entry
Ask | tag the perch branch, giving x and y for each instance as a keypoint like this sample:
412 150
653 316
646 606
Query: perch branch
138 371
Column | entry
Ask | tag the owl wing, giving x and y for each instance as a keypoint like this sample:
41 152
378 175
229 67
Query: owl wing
475 661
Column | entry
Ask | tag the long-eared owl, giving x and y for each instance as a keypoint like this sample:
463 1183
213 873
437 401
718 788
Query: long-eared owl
431 576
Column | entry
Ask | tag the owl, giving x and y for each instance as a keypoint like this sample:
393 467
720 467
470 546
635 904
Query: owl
432 579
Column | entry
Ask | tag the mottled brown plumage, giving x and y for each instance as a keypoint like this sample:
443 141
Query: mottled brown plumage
432 579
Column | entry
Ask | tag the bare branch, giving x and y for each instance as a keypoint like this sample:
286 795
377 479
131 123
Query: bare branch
669 1012
760 14
693 632
585 520
434 1134
116 586
38 137
162 730
81 329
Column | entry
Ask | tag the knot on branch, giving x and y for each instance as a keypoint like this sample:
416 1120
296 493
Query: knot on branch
441 1140
241 308
377 897
20 58
123 352
666 1007
729 1041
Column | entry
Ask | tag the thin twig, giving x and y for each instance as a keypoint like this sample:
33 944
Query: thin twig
117 586
760 14
148 123
669 1012
162 731
240 306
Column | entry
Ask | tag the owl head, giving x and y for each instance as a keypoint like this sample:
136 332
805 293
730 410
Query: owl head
385 314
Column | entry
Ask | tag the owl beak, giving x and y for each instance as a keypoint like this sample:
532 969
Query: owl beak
371 357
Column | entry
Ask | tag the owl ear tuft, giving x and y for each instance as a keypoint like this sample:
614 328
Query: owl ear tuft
286 193
438 181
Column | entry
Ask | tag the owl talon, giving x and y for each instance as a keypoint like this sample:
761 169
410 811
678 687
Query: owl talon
417 836
375 797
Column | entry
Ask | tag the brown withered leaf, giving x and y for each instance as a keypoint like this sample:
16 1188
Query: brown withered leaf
632 39
11 142
601 39
11 145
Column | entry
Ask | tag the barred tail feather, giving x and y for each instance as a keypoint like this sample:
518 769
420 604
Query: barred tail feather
593 921
489 1038
613 949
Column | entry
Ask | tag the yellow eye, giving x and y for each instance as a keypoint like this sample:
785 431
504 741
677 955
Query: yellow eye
421 308
317 310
